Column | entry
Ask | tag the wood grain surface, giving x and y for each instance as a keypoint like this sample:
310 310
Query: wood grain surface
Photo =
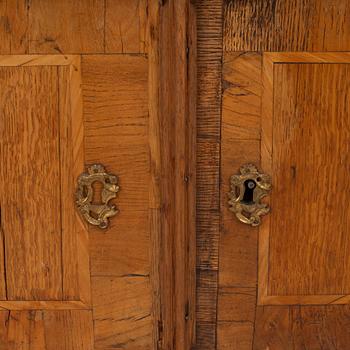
286 25
306 327
82 26
30 183
319 27
115 100
60 134
240 137
313 285
14 27
209 47
116 133
123 312
301 92
125 26
49 330
128 131
308 240
66 26
75 239
173 174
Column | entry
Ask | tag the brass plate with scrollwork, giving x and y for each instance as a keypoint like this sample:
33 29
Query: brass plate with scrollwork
96 214
247 190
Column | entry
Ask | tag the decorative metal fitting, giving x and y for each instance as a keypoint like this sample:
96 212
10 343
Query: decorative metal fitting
96 214
247 190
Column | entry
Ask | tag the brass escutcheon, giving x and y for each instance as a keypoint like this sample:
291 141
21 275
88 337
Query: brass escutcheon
247 190
96 214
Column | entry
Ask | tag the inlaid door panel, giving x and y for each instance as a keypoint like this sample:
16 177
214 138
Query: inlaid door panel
83 83
295 128
274 93
59 114
304 243
44 243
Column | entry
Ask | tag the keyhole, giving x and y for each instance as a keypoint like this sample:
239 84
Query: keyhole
97 187
248 197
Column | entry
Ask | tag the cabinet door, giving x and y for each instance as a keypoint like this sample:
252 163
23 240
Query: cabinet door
284 108
88 84
60 114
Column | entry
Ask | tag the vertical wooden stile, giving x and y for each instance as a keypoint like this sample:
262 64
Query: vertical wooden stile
172 88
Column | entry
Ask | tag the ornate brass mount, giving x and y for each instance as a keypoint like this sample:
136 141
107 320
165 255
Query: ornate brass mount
247 189
96 214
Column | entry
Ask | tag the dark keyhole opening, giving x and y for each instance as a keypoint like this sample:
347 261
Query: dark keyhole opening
97 187
248 196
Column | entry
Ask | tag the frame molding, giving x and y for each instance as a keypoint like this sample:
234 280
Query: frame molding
269 59
75 251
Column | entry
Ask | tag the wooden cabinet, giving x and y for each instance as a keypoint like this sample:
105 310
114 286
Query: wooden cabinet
278 100
173 98
96 82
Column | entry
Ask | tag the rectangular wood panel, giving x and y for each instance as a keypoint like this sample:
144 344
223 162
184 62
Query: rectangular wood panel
13 27
286 25
305 147
123 313
125 26
46 330
30 181
44 245
66 26
115 98
240 144
305 327
116 134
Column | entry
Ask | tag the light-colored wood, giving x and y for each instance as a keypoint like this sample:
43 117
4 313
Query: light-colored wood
242 96
238 245
234 336
305 299
125 26
61 122
236 304
123 312
236 319
115 101
13 27
266 166
124 248
316 27
306 327
47 330
307 57
30 183
44 305
240 144
36 60
66 26
286 25
310 117
237 255
75 240
69 330
309 281
117 117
